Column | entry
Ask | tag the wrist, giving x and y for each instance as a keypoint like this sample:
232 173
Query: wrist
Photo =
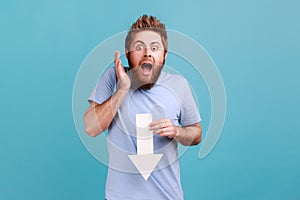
177 134
123 90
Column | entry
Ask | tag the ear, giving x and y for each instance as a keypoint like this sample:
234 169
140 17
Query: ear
126 53
165 54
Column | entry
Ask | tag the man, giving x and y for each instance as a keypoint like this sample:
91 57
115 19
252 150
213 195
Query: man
120 96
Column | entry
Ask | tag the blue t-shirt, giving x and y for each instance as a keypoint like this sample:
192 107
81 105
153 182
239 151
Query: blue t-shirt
171 98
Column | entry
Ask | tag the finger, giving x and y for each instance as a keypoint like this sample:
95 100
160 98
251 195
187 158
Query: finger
119 67
167 134
117 55
117 59
157 126
118 64
158 123
164 130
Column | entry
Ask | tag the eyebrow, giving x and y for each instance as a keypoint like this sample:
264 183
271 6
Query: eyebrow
139 41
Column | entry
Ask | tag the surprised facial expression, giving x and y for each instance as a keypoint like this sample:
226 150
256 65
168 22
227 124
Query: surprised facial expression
146 58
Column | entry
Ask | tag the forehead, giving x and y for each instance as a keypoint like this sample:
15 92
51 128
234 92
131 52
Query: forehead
147 37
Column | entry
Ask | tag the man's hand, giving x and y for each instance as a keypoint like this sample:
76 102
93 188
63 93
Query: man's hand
123 78
186 135
98 117
164 127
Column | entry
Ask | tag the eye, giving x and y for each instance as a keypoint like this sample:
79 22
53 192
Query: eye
154 47
139 47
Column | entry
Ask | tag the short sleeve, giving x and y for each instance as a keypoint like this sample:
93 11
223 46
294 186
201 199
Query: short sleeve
105 87
189 113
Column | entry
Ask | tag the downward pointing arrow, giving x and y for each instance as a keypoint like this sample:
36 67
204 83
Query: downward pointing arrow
145 161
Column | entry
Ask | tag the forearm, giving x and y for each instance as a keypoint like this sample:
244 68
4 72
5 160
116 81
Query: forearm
189 135
99 116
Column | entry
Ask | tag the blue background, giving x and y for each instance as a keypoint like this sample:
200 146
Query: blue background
255 45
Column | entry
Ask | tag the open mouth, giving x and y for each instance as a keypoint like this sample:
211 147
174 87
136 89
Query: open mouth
146 68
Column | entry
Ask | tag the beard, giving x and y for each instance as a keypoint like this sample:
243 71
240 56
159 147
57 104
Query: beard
139 80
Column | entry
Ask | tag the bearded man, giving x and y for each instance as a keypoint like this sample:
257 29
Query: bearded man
123 93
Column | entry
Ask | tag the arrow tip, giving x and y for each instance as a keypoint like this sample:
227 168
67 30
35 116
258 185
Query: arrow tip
145 163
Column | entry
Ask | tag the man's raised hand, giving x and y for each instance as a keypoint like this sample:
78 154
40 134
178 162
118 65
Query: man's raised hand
123 78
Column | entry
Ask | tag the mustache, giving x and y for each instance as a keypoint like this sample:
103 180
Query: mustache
149 59
145 60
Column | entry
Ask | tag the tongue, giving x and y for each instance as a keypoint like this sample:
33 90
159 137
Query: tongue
146 68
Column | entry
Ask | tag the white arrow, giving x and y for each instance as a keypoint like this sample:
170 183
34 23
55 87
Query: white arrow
145 161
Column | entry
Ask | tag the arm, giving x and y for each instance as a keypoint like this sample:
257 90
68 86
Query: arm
189 135
98 117
186 135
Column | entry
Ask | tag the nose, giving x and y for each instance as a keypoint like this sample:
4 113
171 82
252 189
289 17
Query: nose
147 52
